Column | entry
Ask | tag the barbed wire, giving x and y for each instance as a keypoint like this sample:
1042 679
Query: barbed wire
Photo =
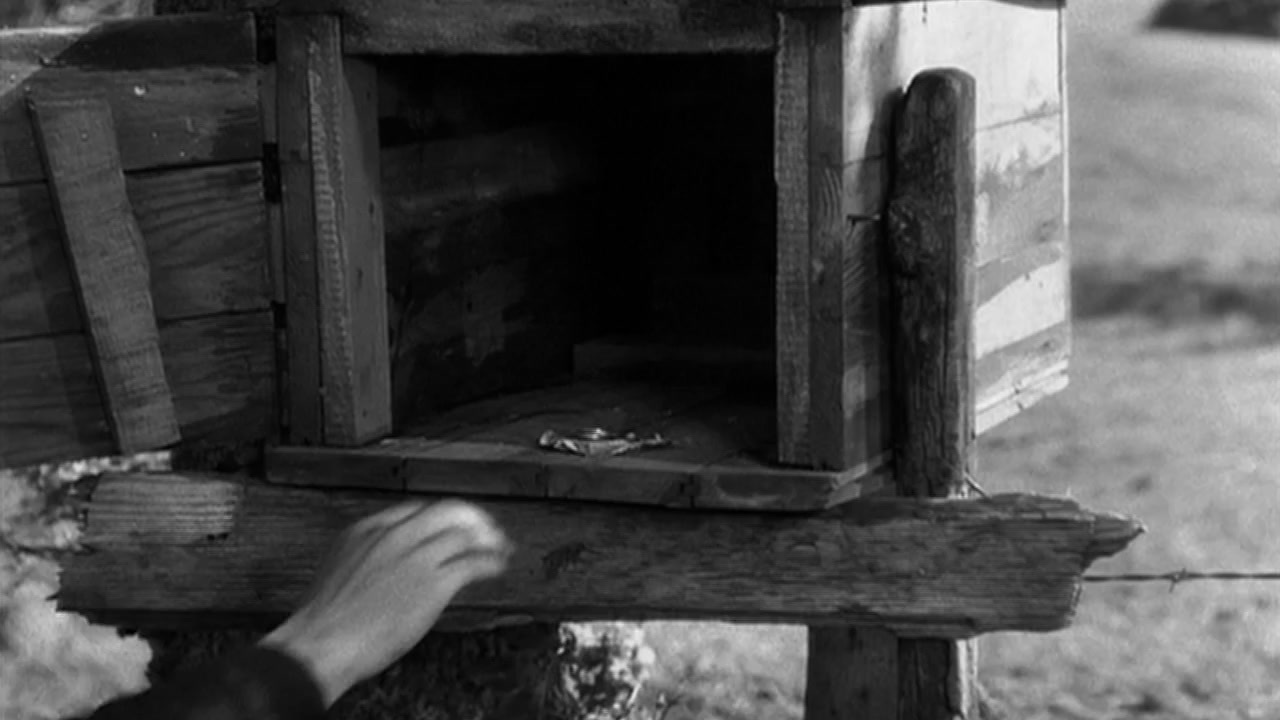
1178 577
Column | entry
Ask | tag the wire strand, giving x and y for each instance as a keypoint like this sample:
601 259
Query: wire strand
1180 576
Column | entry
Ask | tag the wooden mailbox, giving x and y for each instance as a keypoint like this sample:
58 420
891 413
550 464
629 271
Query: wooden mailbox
455 206
387 244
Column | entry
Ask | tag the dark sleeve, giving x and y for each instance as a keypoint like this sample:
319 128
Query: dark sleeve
253 684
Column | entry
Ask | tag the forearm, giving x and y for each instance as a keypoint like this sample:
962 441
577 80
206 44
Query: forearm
257 683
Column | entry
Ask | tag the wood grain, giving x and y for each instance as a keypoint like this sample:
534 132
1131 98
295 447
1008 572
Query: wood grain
546 26
183 91
951 568
332 101
831 353
932 249
111 269
346 172
718 457
204 231
931 259
791 169
889 44
220 369
303 407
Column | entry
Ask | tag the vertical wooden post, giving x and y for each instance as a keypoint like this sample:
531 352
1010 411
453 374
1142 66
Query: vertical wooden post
830 356
863 673
931 215
335 268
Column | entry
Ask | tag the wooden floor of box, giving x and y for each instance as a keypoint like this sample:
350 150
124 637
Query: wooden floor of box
723 440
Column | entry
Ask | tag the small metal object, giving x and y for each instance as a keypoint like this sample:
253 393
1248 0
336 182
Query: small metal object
594 434
597 442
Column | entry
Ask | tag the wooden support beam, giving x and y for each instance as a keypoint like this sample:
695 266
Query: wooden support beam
950 568
932 251
339 385
110 266
399 27
932 245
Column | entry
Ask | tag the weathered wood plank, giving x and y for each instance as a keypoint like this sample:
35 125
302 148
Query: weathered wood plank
347 176
718 457
831 359
327 121
950 568
175 41
1021 175
931 223
182 90
303 407
220 369
890 43
852 673
547 26
932 249
1020 375
204 234
1021 217
791 170
1021 160
383 27
110 266
846 360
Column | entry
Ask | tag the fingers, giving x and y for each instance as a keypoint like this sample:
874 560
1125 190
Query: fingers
387 518
462 570
441 520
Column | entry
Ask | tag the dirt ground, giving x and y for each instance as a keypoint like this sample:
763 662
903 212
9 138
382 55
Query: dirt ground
1173 414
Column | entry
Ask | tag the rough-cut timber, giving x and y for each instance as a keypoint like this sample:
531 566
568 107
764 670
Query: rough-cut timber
203 262
1020 218
221 370
931 244
327 122
931 261
111 269
303 409
182 90
389 27
931 248
831 369
1021 335
949 568
720 436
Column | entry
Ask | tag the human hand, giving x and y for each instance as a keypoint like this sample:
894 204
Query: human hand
383 587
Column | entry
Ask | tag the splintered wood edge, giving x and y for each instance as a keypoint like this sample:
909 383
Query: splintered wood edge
920 567
484 469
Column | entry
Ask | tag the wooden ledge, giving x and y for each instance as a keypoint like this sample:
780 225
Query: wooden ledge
936 568
721 439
